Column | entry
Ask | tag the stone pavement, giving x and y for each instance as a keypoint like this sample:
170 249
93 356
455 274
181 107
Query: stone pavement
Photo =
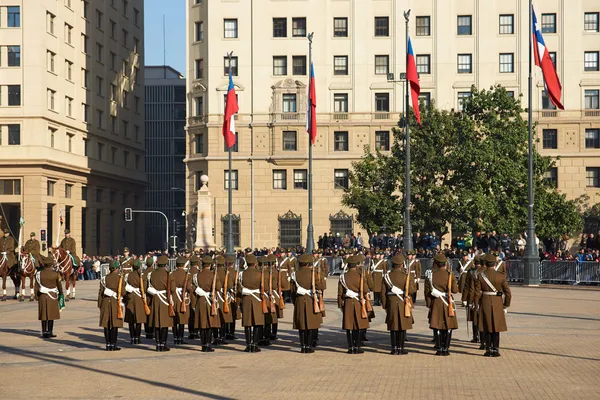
552 351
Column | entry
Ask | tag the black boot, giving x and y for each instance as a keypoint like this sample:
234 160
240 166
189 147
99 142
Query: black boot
215 334
164 334
131 333
138 333
175 333
402 339
274 332
447 345
45 329
157 340
266 335
394 340
247 333
482 340
149 331
256 334
358 336
209 333
488 344
107 339
414 298
441 340
180 332
496 344
51 329
436 339
232 331
115 337
222 331
350 341
191 321
363 337
315 338
310 342
475 334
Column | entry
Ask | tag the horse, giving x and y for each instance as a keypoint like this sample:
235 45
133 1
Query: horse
27 270
64 266
12 271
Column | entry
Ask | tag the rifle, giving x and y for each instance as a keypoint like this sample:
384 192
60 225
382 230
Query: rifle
321 302
183 293
226 309
315 297
407 298
143 292
363 311
213 306
271 302
281 302
368 303
119 308
171 309
263 303
450 306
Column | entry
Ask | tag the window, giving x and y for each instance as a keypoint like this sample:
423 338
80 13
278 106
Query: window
340 65
590 61
592 177
136 133
235 229
124 37
300 179
69 106
99 19
136 45
546 102
553 58
507 24
200 144
464 26
464 64
14 95
290 142
382 102
113 155
423 26
14 56
100 151
234 66
100 118
299 27
230 28
14 134
592 138
113 124
199 106
125 66
340 178
507 62
423 63
136 17
549 139
125 7
50 18
234 148
340 27
341 223
425 97
86 112
99 86
279 27
10 186
125 98
382 64
340 102
136 101
590 22
50 188
126 159
340 141
68 34
98 195
280 179
84 193
113 29
299 65
13 16
51 96
85 78
68 190
99 51
289 102
234 180
51 58
290 230
462 97
84 43
113 61
548 23
69 70
199 28
125 128
382 140
591 99
551 177
279 65
382 26
52 133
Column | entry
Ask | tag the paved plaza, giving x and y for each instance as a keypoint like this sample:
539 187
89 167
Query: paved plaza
551 352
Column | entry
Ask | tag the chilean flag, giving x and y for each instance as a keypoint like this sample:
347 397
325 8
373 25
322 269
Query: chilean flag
231 107
543 60
311 110
413 77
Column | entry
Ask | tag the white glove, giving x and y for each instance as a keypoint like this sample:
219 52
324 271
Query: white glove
68 252
506 311
464 303
418 280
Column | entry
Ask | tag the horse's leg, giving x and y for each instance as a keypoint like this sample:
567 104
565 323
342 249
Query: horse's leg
74 277
31 295
23 282
3 286
68 289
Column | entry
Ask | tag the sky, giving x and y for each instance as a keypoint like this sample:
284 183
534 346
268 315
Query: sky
174 12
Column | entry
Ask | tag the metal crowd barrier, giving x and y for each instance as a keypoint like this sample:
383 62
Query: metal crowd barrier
558 272
588 273
515 270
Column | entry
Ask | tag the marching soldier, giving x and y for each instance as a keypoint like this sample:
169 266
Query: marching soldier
126 261
112 287
135 301
465 267
249 295
194 268
442 282
207 317
416 269
468 299
225 278
393 302
149 267
306 320
181 286
351 299
490 287
285 269
48 290
233 303
32 246
68 244
378 268
161 317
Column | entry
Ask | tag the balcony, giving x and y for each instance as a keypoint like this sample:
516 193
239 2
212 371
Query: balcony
381 115
549 114
289 116
591 113
197 120
340 116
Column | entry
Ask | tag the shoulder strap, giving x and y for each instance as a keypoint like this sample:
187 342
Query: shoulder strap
487 281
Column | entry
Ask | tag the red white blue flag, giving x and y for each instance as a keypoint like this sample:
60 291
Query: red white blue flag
543 60
311 110
231 108
413 77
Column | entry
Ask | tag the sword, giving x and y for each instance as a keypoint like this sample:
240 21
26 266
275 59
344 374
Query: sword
468 333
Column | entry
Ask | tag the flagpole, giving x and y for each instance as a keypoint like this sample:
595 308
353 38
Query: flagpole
229 245
310 229
531 276
408 241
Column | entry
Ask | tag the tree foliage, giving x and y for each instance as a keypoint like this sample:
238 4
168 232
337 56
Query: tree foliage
468 169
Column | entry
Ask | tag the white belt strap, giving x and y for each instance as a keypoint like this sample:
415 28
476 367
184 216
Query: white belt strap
110 293
45 290
440 295
490 293
498 266
202 293
351 294
160 294
487 281
251 292
394 290
299 289
131 289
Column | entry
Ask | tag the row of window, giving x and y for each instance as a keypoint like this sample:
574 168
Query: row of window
300 179
113 3
13 56
592 177
550 139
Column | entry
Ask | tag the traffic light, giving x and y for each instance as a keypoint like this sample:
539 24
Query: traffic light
128 215
43 235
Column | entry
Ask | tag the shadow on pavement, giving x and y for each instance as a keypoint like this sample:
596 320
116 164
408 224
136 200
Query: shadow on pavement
555 316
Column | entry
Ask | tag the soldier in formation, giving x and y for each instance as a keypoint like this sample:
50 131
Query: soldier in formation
415 270
205 285
443 317
48 291
250 288
161 310
352 299
181 287
112 288
136 306
307 310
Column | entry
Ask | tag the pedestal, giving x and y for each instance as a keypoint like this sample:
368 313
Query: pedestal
204 223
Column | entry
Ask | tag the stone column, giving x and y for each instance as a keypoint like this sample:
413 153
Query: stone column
204 225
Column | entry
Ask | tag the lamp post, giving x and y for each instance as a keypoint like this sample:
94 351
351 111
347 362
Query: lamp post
408 241
310 239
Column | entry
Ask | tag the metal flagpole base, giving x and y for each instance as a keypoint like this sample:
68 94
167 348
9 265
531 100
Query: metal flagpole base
531 270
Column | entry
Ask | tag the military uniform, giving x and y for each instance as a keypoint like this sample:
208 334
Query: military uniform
225 276
233 303
379 267
149 267
465 266
416 270
306 320
490 287
271 292
159 282
285 269
48 289
468 299
205 319
440 316
181 287
7 249
111 286
68 244
135 313
393 301
349 300
250 283
194 268
33 247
